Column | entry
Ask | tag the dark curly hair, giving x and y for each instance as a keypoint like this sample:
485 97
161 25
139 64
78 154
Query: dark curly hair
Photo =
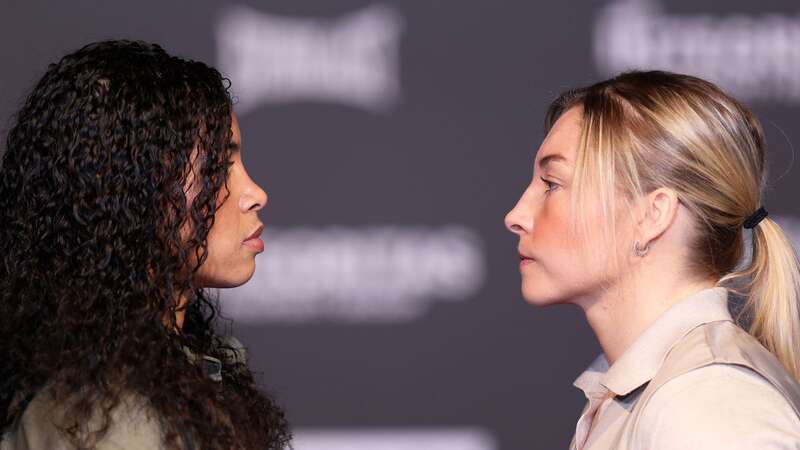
92 206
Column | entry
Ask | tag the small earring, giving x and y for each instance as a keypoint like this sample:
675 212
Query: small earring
640 251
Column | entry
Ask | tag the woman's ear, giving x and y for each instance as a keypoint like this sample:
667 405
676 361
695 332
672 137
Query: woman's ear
657 211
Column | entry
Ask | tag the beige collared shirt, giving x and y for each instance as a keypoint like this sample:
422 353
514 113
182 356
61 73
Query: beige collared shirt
716 406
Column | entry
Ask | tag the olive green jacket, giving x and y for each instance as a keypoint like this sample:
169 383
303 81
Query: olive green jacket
132 425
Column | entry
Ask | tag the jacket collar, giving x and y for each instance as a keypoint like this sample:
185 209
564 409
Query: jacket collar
642 360
230 347
211 367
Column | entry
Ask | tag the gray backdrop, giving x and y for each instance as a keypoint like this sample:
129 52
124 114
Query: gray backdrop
392 138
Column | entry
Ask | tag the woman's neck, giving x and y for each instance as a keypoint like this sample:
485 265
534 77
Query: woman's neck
619 315
180 313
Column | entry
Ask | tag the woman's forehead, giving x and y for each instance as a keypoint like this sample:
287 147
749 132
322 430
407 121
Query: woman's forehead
561 143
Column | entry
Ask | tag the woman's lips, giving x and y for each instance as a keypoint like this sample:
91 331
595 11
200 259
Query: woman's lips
254 240
255 243
524 260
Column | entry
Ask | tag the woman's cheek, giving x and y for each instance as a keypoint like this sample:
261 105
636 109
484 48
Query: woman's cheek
552 224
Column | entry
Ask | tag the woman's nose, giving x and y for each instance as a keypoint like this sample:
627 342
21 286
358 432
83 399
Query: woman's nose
255 199
518 220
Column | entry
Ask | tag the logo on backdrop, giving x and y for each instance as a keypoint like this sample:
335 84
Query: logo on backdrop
352 60
358 274
753 57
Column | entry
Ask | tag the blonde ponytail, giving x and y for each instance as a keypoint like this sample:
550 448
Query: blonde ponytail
773 301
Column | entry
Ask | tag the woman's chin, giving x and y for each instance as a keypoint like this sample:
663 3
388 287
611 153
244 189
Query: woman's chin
535 295
230 278
241 278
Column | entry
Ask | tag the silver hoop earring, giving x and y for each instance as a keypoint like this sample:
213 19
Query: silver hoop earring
640 251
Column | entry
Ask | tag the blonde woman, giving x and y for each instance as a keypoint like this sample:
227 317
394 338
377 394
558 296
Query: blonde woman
643 192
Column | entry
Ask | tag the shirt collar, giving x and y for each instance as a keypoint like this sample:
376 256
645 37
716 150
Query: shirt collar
590 381
642 360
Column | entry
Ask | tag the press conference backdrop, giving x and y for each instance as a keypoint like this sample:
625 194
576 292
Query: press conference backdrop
392 137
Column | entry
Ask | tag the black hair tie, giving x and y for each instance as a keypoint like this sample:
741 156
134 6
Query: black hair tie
755 218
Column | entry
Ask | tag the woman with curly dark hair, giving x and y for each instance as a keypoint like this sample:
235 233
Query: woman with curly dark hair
122 197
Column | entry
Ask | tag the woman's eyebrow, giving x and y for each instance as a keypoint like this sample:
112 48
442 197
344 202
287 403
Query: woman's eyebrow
551 158
234 146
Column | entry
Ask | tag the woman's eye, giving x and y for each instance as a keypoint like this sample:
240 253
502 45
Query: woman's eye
550 185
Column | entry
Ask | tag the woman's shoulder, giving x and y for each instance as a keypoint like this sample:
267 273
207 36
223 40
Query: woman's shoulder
723 347
720 388
131 426
719 406
720 380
